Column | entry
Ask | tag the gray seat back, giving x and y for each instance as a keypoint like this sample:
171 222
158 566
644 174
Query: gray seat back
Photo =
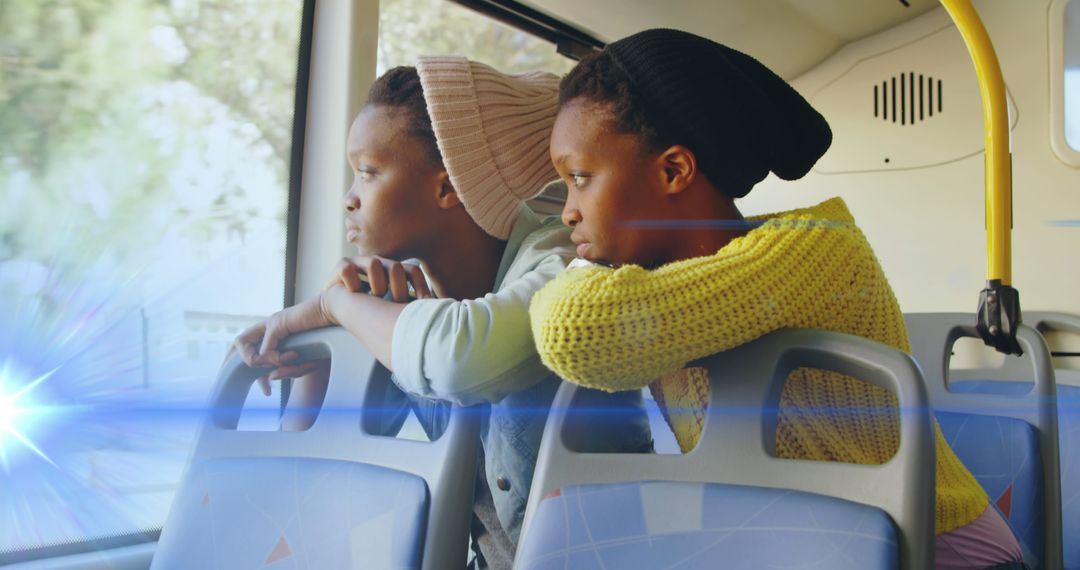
932 338
1051 322
1068 394
739 434
336 495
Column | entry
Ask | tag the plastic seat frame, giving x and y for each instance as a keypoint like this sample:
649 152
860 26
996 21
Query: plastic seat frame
932 338
1053 322
737 445
355 390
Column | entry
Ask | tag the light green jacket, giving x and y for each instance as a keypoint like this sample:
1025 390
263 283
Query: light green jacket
480 350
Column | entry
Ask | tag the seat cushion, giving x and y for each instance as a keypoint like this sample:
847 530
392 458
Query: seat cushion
704 525
295 513
1003 454
1068 444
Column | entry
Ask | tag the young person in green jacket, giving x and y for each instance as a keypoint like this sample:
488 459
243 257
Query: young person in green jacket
444 156
656 138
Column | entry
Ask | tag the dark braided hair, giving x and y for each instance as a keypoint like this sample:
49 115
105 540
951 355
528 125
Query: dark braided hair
599 79
400 87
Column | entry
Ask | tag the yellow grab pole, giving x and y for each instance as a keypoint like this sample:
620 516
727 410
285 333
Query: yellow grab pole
998 157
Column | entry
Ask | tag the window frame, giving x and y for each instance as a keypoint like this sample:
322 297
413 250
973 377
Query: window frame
569 40
75 549
1056 38
296 159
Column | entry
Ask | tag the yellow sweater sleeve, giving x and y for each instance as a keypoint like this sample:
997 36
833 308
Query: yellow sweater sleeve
620 329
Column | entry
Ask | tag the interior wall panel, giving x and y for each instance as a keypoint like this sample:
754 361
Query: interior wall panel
926 224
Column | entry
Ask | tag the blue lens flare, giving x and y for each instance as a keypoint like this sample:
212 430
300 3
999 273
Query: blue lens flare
731 225
18 414
87 449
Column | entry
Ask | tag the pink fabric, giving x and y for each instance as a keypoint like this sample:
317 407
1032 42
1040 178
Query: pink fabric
987 541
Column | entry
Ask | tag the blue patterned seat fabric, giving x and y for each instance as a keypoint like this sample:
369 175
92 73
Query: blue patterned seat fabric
296 513
1068 444
1003 454
704 525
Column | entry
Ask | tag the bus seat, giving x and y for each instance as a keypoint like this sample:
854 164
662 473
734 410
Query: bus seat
1068 399
1003 455
1017 467
730 502
337 495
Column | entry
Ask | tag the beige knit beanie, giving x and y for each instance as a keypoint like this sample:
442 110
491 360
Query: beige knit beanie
493 132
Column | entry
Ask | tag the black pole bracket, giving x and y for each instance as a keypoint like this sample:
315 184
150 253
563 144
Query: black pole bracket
999 317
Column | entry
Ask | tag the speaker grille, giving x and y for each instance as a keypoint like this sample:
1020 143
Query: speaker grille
907 98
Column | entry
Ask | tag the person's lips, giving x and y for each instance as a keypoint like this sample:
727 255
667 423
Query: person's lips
583 249
351 232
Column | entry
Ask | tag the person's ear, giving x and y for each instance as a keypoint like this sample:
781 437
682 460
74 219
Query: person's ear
678 168
446 196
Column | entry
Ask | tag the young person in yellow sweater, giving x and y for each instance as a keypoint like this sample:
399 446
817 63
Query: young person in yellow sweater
656 136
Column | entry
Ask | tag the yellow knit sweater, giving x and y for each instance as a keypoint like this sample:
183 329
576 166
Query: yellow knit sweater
623 329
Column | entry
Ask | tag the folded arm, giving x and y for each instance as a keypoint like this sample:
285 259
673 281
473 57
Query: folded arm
472 351
620 329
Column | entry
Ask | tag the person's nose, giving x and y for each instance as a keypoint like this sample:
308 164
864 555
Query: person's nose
352 201
570 213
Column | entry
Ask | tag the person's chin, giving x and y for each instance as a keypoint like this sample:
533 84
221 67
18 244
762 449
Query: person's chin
379 250
363 248
596 256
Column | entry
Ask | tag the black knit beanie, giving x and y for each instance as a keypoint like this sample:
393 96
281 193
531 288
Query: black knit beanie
739 118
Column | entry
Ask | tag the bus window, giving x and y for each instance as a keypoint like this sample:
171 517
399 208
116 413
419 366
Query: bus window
1071 38
145 166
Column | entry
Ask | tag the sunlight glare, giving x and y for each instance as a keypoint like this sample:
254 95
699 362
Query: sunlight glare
10 411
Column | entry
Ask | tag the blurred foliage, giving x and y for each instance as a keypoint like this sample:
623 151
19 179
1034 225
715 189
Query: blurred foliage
244 54
113 111
411 28
129 123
